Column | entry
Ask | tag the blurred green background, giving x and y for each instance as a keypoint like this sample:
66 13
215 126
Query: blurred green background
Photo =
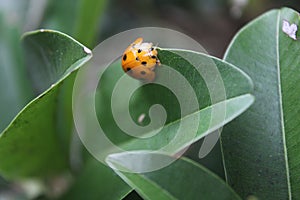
212 23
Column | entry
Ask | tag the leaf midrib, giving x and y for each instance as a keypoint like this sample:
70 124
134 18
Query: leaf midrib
210 129
281 106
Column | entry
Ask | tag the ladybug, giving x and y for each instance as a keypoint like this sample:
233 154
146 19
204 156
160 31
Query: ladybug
140 59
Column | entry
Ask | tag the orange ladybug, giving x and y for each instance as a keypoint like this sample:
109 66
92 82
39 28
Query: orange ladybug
140 59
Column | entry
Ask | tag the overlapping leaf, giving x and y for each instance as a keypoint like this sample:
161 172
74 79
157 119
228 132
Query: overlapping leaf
30 146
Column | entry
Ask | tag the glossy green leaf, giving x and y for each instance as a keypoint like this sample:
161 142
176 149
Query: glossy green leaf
261 147
237 86
97 181
31 145
183 179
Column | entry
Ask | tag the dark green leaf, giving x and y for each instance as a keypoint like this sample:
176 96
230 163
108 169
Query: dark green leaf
183 179
31 146
237 87
212 161
261 147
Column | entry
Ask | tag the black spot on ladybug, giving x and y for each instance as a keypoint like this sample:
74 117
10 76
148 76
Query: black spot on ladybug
137 58
151 49
144 63
128 68
143 72
124 57
154 57
139 50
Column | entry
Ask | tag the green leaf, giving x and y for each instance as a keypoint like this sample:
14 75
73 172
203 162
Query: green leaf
237 86
183 179
261 147
97 181
31 145
212 161
57 53
234 107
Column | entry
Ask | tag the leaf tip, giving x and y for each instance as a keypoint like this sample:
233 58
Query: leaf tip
87 50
